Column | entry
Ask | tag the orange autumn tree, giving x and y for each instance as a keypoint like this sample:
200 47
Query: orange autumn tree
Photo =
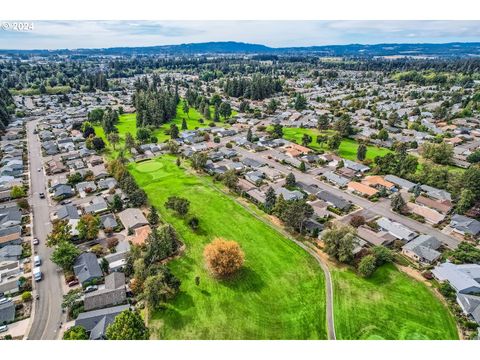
223 257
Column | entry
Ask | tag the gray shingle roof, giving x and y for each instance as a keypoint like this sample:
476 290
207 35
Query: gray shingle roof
86 267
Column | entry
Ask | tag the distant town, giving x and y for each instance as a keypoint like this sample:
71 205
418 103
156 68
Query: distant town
230 191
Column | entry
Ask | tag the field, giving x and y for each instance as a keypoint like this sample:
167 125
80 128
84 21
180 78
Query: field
389 305
127 123
279 294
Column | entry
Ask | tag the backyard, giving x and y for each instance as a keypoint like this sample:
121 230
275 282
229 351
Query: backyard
389 305
279 293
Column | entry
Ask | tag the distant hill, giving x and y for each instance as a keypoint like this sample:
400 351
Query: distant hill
231 47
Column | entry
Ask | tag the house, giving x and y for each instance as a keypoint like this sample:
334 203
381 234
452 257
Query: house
140 235
257 196
443 207
435 193
11 236
423 249
67 212
114 293
288 194
108 183
86 268
108 221
334 200
98 206
336 179
463 278
86 186
465 225
398 230
349 164
319 208
97 321
375 238
377 181
361 189
132 218
10 216
11 253
7 312
400 183
312 227
470 305
431 216
63 191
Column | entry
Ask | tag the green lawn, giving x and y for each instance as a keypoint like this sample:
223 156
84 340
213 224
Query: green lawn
279 294
127 123
348 147
389 305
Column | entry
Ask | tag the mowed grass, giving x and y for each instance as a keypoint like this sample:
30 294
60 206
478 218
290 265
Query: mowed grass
128 123
348 147
389 305
279 293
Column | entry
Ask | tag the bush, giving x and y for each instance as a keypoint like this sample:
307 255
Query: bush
97 250
367 266
223 258
357 221
27 296
112 243
194 223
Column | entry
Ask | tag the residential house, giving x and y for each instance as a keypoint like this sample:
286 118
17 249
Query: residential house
431 216
140 235
398 230
97 321
132 218
400 183
86 268
465 225
114 293
361 189
463 278
334 200
423 249
7 312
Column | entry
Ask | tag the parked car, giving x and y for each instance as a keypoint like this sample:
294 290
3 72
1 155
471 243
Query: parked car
42 195
91 288
72 283
36 241
3 328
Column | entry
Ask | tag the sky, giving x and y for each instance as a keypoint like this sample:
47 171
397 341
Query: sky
102 34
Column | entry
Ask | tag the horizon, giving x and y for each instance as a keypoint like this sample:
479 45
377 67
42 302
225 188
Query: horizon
74 35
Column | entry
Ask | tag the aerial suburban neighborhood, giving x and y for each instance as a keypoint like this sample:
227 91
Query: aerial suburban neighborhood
236 191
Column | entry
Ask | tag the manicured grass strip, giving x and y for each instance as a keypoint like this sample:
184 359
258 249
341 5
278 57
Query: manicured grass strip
390 305
280 293
348 147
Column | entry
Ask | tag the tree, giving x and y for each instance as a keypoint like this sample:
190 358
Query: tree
174 132
474 157
302 167
270 200
272 106
334 141
71 298
343 126
98 143
178 204
138 197
277 131
466 201
143 135
128 325
361 152
471 180
367 266
194 223
225 109
398 204
153 217
184 124
441 153
357 221
300 102
290 181
340 242
65 254
199 160
382 255
114 139
322 122
88 227
296 213
129 141
159 288
230 179
96 115
60 233
117 204
186 108
17 192
306 139
382 135
75 333
223 258
160 244
249 135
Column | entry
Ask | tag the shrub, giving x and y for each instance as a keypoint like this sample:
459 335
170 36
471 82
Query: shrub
367 266
223 258
357 221
97 250
112 242
27 296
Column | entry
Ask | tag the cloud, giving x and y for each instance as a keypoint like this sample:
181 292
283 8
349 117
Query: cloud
97 34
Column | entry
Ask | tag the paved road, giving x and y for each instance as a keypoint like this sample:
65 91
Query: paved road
381 208
48 313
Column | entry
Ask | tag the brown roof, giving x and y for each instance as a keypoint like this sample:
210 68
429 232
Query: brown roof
430 215
361 188
140 235
377 180
375 238
443 207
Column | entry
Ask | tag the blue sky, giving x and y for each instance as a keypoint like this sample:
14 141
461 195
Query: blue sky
96 34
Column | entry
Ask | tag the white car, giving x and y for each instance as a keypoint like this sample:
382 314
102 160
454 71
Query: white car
3 328
36 241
